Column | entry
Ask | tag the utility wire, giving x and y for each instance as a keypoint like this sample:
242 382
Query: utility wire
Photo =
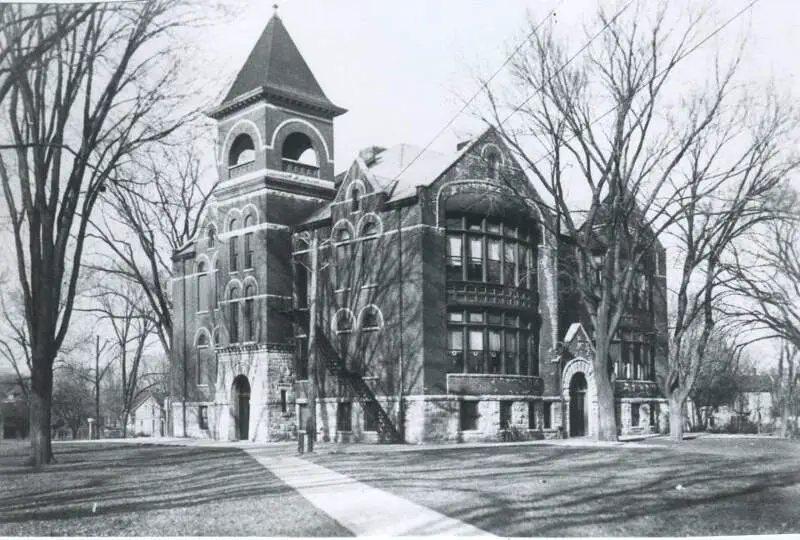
479 91
659 73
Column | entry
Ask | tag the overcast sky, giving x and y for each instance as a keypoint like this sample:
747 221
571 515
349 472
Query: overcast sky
400 67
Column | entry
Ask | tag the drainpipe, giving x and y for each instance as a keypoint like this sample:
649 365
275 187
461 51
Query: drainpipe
401 422
185 354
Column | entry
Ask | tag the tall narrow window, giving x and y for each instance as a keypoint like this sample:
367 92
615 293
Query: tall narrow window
249 314
455 261
491 162
201 346
495 360
202 287
355 200
233 315
342 257
475 263
370 234
344 328
493 260
284 403
510 267
248 243
476 360
211 237
234 253
456 350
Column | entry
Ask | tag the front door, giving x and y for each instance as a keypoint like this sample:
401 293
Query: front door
241 407
577 405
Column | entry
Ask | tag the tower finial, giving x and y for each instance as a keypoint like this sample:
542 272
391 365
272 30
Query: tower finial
275 8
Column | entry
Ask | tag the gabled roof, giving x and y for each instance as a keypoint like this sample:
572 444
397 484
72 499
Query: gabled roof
139 401
276 67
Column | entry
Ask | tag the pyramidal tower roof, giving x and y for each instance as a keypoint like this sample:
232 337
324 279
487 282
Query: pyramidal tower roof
275 68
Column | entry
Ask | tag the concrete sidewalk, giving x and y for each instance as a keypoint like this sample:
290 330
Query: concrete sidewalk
363 509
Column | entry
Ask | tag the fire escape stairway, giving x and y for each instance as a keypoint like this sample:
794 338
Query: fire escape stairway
335 364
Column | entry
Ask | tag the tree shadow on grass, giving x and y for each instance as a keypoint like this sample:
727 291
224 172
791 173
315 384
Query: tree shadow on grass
559 491
132 479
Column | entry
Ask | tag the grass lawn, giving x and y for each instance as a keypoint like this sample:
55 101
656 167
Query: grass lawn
727 486
150 491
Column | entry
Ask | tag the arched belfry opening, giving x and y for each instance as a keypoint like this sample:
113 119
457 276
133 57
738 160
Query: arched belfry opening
578 406
242 150
298 148
240 407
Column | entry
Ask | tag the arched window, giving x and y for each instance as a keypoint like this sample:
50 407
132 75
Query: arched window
343 253
369 233
248 242
233 247
355 200
344 328
217 337
212 233
202 343
249 313
492 161
298 155
371 319
202 287
242 151
233 315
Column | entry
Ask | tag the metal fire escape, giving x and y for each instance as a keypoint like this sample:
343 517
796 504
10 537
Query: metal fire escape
336 365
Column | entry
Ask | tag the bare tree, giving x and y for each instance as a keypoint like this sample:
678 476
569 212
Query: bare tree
72 399
75 116
606 124
126 310
17 52
766 293
785 385
149 219
717 381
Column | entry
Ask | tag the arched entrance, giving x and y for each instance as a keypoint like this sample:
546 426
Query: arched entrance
240 407
578 405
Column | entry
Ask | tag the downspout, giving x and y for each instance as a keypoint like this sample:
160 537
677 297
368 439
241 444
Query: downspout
400 405
185 320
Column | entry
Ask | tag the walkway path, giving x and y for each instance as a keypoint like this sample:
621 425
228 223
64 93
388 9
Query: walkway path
365 510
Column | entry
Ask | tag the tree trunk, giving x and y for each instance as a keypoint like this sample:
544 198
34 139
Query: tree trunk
675 417
125 424
606 418
40 404
785 419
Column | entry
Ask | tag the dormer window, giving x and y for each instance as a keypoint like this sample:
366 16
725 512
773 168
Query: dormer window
355 200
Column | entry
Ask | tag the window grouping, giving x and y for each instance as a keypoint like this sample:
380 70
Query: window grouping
491 251
636 358
241 313
241 260
356 253
491 341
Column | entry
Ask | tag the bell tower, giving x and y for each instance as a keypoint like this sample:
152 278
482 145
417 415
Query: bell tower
275 129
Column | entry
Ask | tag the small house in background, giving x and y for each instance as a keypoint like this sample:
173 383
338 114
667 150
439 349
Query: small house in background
147 416
752 406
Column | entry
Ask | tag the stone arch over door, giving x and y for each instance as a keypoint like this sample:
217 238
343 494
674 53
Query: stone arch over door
580 366
240 407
